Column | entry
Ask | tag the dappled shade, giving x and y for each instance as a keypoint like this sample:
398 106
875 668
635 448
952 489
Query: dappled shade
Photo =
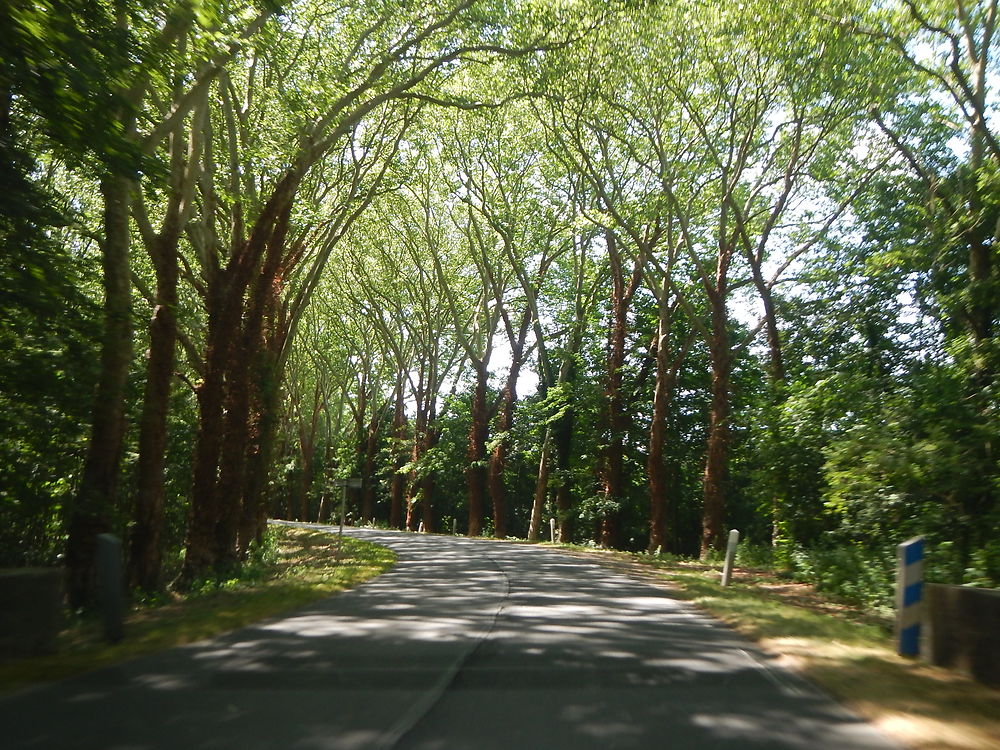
465 644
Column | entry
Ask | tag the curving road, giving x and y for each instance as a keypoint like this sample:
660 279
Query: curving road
465 644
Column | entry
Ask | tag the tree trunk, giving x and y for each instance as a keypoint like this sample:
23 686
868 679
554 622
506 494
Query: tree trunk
714 502
360 431
497 465
618 420
427 486
214 515
199 553
253 520
95 499
421 442
246 370
398 484
476 473
505 423
145 557
305 482
659 489
562 431
368 470
145 554
413 496
541 488
233 458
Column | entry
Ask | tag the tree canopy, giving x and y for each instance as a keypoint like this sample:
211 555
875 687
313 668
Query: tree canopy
652 269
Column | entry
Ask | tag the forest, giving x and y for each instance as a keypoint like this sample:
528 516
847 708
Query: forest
655 269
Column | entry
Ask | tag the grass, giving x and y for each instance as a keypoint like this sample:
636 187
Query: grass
845 650
840 647
301 566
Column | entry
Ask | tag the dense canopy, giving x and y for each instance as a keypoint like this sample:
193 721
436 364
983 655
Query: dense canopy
653 269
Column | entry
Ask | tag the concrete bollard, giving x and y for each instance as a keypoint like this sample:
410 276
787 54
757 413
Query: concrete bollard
909 595
110 587
420 528
727 569
552 529
31 610
454 527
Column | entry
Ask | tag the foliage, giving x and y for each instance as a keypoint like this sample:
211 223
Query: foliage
385 202
48 367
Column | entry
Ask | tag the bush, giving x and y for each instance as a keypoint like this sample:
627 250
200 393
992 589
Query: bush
755 556
859 575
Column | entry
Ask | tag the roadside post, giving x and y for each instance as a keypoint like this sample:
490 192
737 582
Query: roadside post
110 588
909 595
552 529
355 484
727 569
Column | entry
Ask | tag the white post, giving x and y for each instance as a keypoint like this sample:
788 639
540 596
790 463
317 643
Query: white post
343 511
727 569
552 529
909 595
421 527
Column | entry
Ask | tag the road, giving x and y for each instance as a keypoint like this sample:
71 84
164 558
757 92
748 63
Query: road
465 644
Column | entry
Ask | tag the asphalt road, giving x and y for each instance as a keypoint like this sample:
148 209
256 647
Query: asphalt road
465 644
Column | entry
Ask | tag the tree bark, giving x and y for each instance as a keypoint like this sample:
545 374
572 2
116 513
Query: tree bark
498 460
145 558
95 499
562 431
713 483
368 470
663 393
541 488
421 444
618 419
253 521
505 423
398 484
476 473
224 394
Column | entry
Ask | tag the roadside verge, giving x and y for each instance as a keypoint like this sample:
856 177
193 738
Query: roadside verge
840 648
300 566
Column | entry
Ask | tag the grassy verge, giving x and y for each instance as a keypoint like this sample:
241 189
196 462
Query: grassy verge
846 651
299 566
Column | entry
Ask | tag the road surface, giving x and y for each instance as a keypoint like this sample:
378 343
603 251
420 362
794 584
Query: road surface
464 645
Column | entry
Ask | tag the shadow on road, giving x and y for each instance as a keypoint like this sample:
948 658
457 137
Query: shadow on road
464 644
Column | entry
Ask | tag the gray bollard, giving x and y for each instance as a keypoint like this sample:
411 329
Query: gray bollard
727 569
420 528
552 529
454 527
110 590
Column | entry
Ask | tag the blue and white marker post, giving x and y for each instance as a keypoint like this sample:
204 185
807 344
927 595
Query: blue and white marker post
909 596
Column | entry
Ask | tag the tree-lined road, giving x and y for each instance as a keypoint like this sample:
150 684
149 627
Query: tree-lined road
464 644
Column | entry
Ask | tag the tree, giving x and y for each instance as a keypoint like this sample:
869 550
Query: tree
950 49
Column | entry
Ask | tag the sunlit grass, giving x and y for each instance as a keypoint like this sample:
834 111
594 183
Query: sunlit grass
303 567
845 650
